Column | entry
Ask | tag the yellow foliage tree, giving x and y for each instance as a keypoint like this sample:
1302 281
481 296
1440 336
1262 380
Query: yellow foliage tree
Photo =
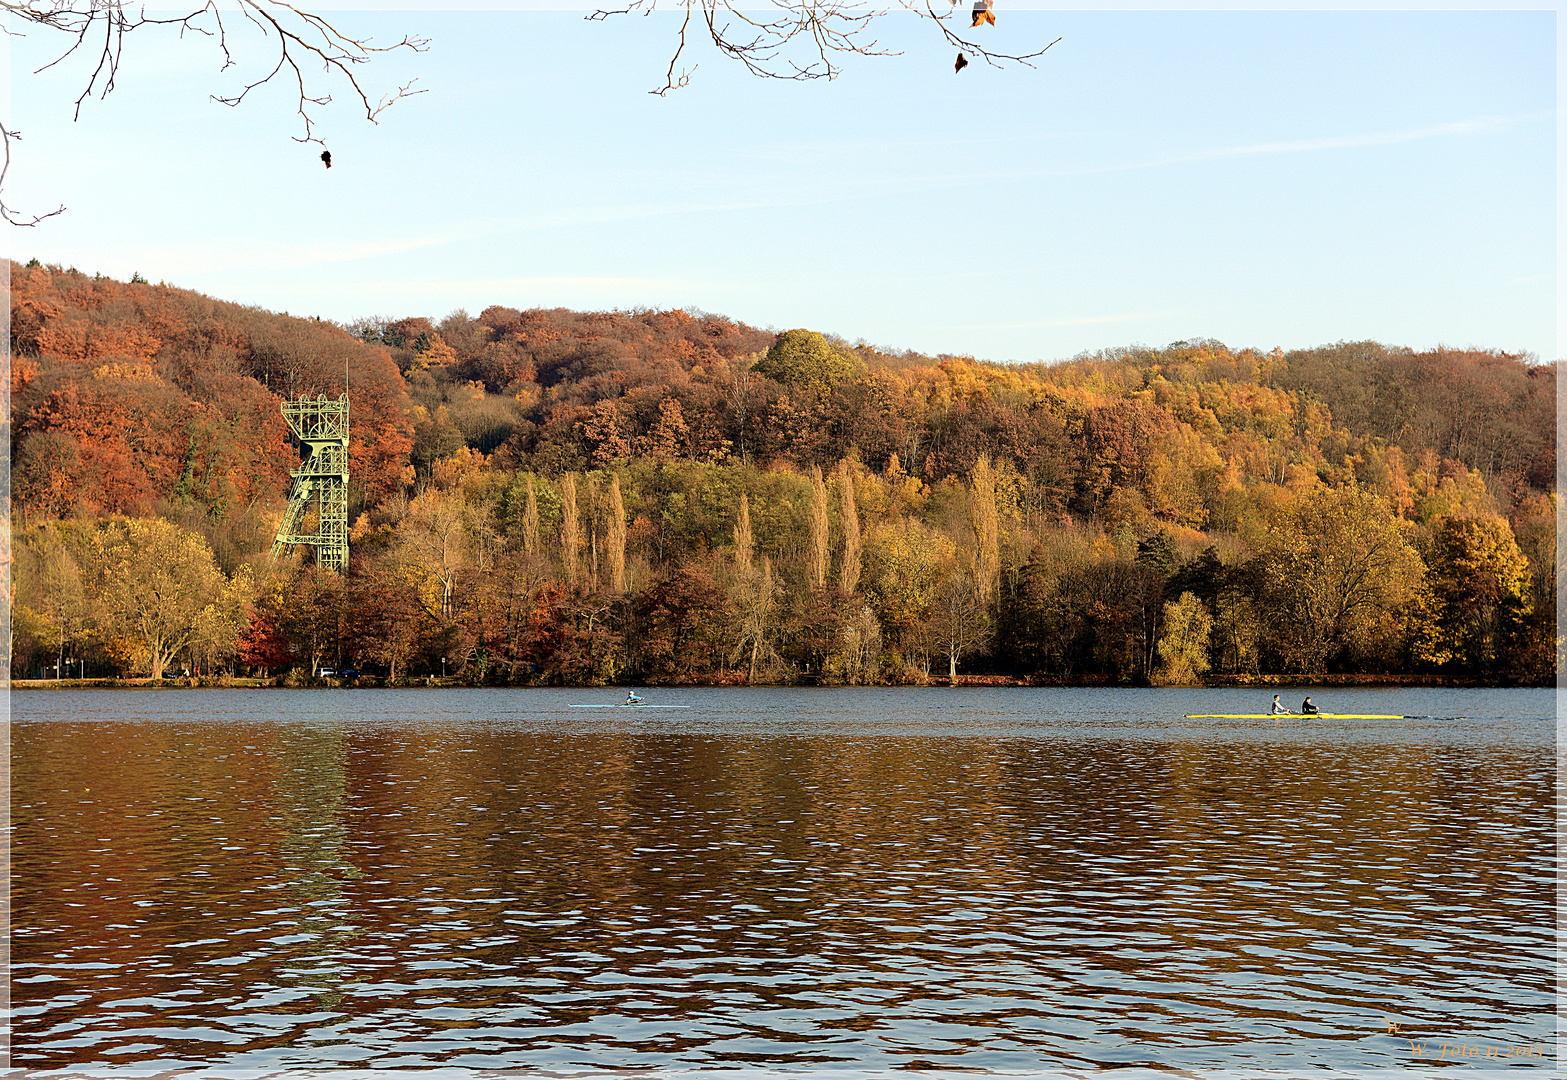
153 581
987 529
907 569
1183 650
1479 593
434 538
1337 568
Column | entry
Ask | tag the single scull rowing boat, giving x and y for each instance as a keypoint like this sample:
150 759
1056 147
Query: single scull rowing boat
631 705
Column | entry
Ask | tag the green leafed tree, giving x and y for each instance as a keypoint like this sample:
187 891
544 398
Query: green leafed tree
806 360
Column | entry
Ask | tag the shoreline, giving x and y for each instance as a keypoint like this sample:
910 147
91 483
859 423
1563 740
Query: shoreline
1370 682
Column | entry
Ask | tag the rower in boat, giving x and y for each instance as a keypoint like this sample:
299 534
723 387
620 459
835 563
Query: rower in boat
632 699
1278 706
1308 709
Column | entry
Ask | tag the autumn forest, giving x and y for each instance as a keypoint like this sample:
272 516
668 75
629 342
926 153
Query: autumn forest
557 497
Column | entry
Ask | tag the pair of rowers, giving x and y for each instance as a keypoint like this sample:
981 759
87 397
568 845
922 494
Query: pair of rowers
1306 708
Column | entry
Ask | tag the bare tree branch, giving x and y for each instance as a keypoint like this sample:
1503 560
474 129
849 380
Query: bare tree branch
670 82
646 7
300 36
7 213
823 30
301 39
316 36
827 29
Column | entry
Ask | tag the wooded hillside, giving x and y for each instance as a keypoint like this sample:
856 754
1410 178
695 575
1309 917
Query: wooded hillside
665 496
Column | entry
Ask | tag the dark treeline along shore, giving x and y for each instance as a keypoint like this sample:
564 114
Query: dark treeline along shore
548 496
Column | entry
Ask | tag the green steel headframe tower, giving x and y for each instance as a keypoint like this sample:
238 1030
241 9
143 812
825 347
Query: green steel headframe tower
321 424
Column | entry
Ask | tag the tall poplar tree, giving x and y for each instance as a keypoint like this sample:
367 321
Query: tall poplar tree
595 528
570 527
530 523
849 571
617 537
817 558
743 544
987 529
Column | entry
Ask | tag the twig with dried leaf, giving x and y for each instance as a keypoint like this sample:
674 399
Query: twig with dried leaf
990 56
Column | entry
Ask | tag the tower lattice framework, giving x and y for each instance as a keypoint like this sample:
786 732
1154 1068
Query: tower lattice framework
320 482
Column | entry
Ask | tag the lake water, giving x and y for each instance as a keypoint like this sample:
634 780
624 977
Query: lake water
841 881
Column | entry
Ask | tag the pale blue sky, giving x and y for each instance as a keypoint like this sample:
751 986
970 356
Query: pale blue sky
1263 178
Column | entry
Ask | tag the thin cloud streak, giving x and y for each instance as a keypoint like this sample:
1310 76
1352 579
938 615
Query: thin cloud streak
1483 126
875 187
1460 128
272 257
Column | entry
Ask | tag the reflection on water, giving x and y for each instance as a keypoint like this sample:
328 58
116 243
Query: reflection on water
312 793
1000 879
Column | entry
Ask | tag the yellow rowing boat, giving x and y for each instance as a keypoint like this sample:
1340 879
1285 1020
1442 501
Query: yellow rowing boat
1319 716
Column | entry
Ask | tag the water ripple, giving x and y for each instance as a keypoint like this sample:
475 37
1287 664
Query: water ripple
1001 880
